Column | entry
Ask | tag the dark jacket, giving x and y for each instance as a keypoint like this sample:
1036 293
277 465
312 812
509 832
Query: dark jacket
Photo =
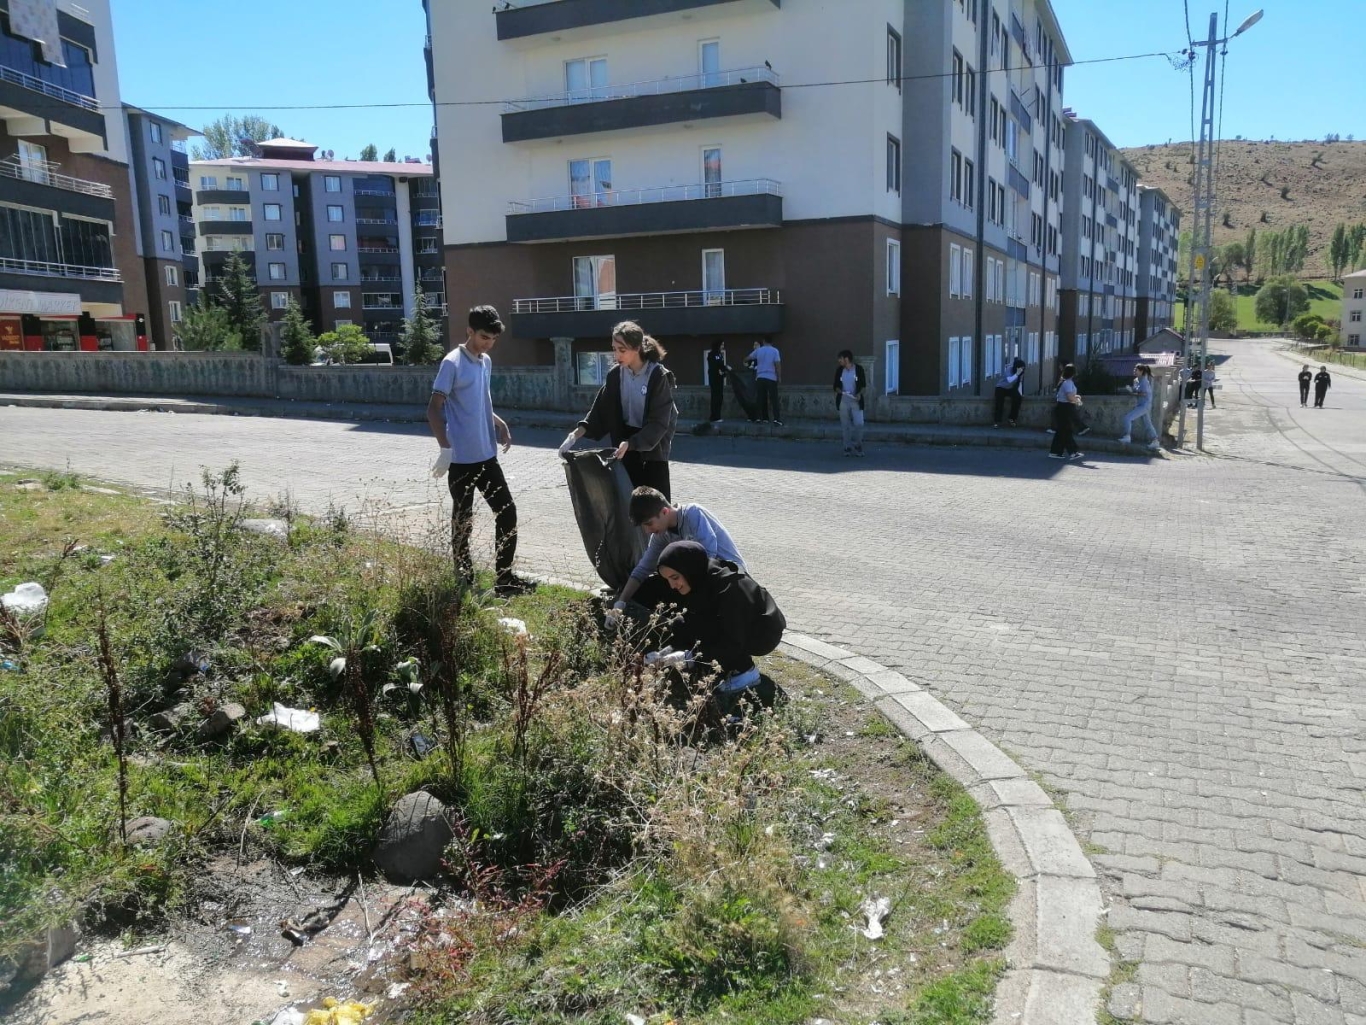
606 418
716 368
1322 381
731 621
860 382
1305 377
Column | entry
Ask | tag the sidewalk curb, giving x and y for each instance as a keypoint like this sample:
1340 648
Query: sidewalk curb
1057 969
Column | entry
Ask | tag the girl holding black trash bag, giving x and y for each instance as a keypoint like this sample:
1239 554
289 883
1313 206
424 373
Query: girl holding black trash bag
635 409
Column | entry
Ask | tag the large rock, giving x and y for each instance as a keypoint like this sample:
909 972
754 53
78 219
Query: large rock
147 829
170 720
221 721
413 839
278 529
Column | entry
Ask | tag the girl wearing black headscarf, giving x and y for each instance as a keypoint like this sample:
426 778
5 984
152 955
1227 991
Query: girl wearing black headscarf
727 618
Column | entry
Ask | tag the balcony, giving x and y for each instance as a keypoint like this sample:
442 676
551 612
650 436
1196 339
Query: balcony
377 220
756 203
35 184
560 16
720 312
94 284
31 106
746 91
427 219
387 193
182 191
225 227
385 279
222 197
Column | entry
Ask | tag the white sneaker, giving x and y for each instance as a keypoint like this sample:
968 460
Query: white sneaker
1055 455
1124 440
1155 447
1077 455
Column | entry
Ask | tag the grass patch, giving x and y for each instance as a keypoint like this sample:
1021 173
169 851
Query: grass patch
621 859
1325 299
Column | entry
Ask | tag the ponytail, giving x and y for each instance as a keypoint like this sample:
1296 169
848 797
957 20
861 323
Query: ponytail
633 336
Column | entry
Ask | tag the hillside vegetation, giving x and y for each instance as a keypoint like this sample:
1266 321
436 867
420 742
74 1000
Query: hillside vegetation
1269 186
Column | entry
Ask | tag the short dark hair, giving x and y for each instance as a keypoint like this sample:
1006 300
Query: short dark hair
846 354
646 504
485 318
1069 371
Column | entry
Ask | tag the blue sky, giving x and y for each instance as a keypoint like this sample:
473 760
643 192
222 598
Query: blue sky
1287 77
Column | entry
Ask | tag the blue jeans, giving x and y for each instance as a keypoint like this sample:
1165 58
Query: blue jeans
1140 415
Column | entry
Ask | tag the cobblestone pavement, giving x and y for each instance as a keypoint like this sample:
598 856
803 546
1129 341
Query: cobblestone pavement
1178 647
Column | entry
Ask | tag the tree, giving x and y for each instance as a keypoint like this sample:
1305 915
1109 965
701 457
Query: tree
1356 240
370 153
298 341
1326 334
1250 253
236 293
347 344
420 340
391 155
206 328
1223 314
1306 326
1233 257
1337 250
231 136
1281 300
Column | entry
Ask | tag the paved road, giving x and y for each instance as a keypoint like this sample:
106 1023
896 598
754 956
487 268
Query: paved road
1178 646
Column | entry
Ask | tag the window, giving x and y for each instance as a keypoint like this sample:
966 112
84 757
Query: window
969 271
235 184
208 181
335 214
955 270
958 84
167 242
279 300
971 100
239 214
270 182
955 176
154 129
711 172
341 300
1354 339
158 169
211 213
1355 318
339 322
173 276
331 183
708 62
585 79
892 366
340 272
714 276
893 267
164 205
273 212
993 115
277 272
893 164
1356 293
969 185
590 179
894 58
276 242
595 282
173 310
336 243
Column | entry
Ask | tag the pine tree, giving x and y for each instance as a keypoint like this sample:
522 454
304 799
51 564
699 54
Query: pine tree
1337 250
297 337
1356 239
205 328
236 293
1250 253
370 152
390 155
420 340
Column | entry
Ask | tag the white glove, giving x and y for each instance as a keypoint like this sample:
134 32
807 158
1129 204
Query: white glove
653 657
442 464
568 442
613 616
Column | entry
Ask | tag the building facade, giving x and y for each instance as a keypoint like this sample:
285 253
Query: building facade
1100 240
1159 228
1353 308
652 166
350 241
71 275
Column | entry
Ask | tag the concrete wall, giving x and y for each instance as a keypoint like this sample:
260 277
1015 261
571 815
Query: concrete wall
155 373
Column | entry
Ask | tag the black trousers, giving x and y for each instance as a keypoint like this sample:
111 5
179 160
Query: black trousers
1192 390
487 477
1304 394
1063 442
1209 397
768 399
718 394
1319 395
1000 401
647 473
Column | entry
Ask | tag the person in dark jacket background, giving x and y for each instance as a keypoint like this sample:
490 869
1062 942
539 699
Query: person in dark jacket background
728 618
850 381
635 409
1010 386
1322 382
1306 376
717 371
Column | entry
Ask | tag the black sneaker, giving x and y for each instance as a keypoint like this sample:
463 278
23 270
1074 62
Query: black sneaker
511 587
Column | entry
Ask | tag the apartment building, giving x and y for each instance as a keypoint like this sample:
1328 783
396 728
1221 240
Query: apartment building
349 240
1159 228
1353 308
1100 237
648 163
71 275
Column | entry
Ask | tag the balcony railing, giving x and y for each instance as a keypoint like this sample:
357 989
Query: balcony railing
661 194
45 173
386 280
48 89
375 220
186 219
374 192
427 219
677 84
59 270
651 301
188 251
377 249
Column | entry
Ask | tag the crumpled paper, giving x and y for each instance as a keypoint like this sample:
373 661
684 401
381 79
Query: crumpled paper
335 1012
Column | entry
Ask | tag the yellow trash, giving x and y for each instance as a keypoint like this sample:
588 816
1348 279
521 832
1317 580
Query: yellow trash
334 1012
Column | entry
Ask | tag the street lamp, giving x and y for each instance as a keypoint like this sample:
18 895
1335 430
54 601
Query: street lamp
1202 227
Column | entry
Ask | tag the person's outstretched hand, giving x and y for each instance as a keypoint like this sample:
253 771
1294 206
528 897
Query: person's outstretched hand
621 451
568 443
442 464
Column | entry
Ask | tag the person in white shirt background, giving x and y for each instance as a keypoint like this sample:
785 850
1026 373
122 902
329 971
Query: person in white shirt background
768 371
850 381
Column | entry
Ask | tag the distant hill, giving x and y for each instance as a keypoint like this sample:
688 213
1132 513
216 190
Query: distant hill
1251 175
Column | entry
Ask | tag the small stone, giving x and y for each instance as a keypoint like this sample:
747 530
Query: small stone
148 829
221 721
414 838
169 720
30 485
278 529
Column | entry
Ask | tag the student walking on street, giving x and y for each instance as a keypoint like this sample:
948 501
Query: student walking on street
1143 401
1010 386
717 371
1322 382
1064 447
1306 376
460 415
635 409
768 371
1207 380
850 381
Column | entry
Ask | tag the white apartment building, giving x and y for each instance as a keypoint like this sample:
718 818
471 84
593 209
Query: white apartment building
1353 307
1159 228
1100 237
657 167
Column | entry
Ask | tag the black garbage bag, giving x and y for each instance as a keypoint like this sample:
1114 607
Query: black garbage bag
744 384
601 494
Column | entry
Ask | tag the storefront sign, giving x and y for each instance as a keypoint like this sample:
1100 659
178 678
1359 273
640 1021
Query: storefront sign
10 337
40 303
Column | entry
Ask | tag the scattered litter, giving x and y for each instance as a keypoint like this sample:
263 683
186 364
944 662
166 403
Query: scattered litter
282 988
634 1019
823 844
876 909
142 950
289 1016
420 745
239 927
396 990
295 719
25 599
336 667
10 666
270 528
266 821
334 1012
105 560
82 958
516 627
299 930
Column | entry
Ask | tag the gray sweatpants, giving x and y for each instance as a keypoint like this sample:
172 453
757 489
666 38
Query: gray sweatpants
851 420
